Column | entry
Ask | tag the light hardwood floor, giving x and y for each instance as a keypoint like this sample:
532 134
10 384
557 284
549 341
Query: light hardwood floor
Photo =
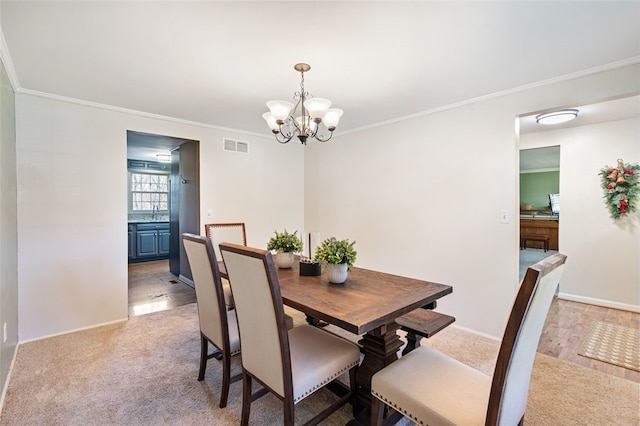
153 288
567 325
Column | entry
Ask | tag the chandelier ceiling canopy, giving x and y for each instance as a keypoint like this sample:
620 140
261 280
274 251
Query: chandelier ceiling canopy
303 118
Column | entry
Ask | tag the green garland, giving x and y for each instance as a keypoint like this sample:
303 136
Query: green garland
620 188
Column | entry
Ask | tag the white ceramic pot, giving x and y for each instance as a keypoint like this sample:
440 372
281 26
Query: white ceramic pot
337 274
284 259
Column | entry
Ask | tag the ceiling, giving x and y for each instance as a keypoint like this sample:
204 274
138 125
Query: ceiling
217 62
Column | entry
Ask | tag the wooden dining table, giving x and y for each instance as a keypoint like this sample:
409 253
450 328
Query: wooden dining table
367 304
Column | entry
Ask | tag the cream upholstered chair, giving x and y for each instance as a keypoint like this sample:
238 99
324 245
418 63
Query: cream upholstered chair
218 325
226 232
434 389
291 364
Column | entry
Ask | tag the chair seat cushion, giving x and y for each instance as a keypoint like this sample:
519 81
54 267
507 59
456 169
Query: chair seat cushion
228 296
434 389
317 358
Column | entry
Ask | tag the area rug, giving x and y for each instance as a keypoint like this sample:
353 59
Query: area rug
612 343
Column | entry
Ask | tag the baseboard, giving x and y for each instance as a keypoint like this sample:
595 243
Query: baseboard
470 330
6 383
599 302
75 330
186 280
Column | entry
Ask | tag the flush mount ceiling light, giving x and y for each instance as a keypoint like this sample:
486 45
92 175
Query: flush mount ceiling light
164 158
285 122
556 117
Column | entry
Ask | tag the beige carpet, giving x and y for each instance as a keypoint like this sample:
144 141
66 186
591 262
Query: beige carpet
612 343
143 372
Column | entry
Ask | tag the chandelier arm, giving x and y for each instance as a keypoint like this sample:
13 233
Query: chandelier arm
284 139
320 138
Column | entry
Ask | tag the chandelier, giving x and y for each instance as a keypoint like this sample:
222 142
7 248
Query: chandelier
285 123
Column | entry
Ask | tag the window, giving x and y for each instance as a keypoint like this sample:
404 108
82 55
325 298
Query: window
148 192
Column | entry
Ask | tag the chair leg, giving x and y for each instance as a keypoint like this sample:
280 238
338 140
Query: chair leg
377 411
226 378
354 388
289 413
204 348
246 398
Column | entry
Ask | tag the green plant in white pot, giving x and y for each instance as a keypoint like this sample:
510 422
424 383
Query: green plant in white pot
285 244
339 255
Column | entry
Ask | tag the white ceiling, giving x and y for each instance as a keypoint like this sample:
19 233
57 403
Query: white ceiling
217 62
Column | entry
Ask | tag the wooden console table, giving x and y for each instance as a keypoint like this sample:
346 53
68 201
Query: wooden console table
548 228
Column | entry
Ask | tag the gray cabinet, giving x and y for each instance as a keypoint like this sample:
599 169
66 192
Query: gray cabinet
148 241
132 241
163 241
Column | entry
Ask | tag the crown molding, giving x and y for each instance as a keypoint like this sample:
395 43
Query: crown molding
634 60
8 63
133 112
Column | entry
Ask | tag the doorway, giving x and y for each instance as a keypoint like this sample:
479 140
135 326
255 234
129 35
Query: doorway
159 274
539 205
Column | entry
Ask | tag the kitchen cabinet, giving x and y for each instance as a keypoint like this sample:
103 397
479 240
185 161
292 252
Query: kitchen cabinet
148 241
132 241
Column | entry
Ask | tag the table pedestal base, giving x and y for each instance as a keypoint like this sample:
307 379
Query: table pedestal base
380 348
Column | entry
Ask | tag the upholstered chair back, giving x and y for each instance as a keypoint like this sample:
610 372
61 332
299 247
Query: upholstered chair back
261 320
210 300
510 385
225 232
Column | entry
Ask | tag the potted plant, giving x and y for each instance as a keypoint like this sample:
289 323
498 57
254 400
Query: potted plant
339 255
285 244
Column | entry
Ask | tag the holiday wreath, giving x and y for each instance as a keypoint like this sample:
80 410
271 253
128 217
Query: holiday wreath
620 187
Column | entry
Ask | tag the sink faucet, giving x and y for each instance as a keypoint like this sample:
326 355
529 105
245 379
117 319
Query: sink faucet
154 210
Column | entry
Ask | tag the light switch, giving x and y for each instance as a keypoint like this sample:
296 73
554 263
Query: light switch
504 216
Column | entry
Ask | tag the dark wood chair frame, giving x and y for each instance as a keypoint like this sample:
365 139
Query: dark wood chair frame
248 377
221 353
516 318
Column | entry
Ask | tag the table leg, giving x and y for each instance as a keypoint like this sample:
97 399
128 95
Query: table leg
380 348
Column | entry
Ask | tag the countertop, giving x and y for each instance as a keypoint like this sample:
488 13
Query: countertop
147 221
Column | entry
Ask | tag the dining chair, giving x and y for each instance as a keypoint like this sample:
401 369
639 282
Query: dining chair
435 389
229 232
291 364
218 325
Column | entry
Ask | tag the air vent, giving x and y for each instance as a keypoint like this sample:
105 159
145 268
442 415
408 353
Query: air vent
235 146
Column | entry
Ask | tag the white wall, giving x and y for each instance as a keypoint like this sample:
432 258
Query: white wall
72 205
8 228
422 197
603 253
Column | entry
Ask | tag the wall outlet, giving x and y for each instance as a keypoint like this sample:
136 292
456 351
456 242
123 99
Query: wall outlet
504 216
4 333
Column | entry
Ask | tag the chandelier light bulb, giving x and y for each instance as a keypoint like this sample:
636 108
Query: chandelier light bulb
332 118
271 122
280 109
317 107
